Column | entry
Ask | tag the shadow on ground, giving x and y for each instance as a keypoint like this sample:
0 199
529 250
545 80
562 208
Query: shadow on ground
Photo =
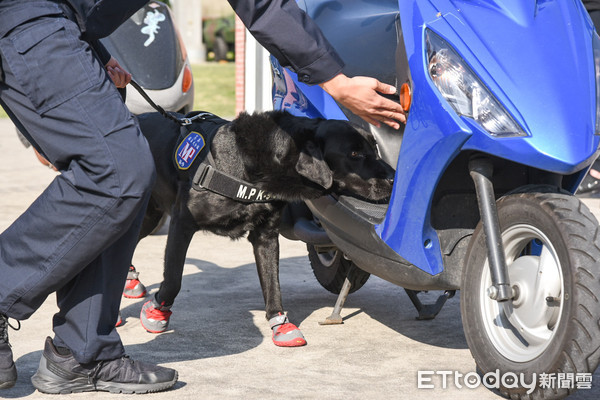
213 313
219 311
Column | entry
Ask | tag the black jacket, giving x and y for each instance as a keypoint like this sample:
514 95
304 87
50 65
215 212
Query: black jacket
279 25
99 18
290 36
96 18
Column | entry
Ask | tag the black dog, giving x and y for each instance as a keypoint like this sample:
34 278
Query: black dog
289 158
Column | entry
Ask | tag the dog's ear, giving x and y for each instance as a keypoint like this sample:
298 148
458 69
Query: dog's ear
312 166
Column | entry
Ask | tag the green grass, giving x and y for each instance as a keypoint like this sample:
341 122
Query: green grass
214 89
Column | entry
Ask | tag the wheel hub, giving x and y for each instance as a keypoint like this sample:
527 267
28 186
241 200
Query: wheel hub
522 329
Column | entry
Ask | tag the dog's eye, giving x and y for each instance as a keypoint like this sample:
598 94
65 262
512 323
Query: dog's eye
357 154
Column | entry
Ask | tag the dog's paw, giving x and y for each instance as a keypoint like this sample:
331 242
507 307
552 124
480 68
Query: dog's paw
286 334
154 317
134 289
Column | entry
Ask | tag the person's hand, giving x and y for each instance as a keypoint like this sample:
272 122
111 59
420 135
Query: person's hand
119 76
360 95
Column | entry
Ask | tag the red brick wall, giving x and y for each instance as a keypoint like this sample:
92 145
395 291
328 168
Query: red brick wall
240 60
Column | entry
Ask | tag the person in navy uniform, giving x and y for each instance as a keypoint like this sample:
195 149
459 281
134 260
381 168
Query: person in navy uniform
59 86
78 237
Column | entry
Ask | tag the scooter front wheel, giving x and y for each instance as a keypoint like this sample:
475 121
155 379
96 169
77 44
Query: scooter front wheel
551 326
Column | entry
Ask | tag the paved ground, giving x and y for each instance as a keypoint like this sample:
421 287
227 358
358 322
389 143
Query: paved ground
220 341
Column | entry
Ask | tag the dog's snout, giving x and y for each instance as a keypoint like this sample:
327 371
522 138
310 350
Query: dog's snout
389 173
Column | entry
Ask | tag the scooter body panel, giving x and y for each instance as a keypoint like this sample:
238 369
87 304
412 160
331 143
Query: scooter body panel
535 57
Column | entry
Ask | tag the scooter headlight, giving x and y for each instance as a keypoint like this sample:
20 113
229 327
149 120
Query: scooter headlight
596 46
465 92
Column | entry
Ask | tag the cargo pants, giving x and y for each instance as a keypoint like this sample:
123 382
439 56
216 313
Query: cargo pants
78 237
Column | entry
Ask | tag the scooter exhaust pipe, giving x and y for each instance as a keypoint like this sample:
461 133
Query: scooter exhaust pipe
481 170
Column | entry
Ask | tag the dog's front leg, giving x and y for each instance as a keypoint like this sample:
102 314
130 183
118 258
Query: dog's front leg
266 254
181 231
156 313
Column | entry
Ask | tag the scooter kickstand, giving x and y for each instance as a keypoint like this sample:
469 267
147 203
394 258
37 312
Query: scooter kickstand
335 318
429 311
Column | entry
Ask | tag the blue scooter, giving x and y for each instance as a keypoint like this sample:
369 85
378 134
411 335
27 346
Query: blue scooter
503 121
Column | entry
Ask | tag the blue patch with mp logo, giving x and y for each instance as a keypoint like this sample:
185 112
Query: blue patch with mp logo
188 150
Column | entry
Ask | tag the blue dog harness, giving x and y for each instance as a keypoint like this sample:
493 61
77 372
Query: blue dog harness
192 153
197 132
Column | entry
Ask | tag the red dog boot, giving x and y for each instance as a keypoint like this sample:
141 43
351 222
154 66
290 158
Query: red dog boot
134 289
155 317
286 334
120 321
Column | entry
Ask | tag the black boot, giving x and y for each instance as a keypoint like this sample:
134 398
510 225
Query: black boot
8 371
59 372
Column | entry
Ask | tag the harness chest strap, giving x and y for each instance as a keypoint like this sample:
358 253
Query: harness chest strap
209 178
194 149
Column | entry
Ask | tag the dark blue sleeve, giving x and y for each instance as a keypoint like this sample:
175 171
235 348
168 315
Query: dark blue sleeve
291 36
98 19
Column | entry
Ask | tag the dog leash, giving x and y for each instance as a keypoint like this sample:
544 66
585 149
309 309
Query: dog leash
181 121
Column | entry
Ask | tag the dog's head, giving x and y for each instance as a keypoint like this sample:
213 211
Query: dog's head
342 159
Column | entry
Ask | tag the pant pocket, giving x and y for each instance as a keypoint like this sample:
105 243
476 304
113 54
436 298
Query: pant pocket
50 62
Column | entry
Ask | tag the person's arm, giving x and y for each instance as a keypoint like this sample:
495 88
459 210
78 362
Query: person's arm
297 42
360 95
290 36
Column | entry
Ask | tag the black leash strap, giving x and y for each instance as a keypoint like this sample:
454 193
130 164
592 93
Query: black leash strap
154 105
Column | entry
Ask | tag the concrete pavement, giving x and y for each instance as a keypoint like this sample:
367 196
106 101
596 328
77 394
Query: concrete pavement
219 340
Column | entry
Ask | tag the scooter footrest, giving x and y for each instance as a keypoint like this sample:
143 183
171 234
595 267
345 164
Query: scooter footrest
370 211
429 311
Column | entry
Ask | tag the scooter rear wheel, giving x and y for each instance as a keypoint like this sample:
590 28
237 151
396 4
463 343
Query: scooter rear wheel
331 269
552 248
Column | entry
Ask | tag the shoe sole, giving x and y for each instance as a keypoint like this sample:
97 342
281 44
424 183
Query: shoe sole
9 377
47 382
7 385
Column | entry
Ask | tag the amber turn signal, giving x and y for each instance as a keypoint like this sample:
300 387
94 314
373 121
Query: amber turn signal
186 83
405 96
